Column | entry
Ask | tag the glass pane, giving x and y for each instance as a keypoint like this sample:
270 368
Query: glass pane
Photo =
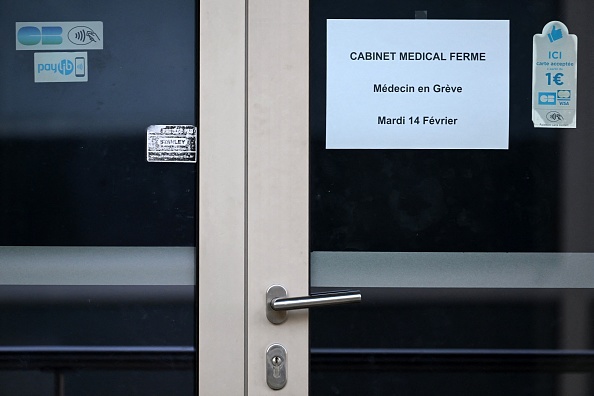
475 265
97 245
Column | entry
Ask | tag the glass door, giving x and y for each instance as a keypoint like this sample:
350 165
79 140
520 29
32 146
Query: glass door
475 264
97 209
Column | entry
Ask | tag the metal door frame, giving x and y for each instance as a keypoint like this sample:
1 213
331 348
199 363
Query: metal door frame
253 178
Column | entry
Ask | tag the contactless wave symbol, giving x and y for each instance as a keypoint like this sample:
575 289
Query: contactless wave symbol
82 35
554 116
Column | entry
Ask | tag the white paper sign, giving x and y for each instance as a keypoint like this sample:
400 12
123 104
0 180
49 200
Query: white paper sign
417 84
554 77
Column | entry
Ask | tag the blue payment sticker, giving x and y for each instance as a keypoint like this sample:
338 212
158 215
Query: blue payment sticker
554 77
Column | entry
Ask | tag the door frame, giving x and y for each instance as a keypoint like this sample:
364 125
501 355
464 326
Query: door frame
253 191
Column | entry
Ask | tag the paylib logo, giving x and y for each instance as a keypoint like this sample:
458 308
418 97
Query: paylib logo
64 67
60 66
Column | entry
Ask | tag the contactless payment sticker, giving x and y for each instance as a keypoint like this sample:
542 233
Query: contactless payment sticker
58 67
59 36
554 77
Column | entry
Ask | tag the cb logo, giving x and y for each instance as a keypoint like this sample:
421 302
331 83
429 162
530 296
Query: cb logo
47 35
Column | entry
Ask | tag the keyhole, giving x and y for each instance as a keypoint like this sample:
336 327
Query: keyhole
276 366
277 363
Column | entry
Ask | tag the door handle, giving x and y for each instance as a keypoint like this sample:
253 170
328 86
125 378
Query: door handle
277 302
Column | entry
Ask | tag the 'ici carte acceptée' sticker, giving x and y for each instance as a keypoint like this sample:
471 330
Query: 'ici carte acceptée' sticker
554 77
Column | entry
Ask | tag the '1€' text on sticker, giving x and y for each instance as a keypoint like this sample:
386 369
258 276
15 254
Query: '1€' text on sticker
554 77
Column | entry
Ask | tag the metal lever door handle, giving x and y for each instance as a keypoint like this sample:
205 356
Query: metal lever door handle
316 300
277 302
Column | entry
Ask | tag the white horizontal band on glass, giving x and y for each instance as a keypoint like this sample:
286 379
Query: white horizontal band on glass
464 270
29 265
176 266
